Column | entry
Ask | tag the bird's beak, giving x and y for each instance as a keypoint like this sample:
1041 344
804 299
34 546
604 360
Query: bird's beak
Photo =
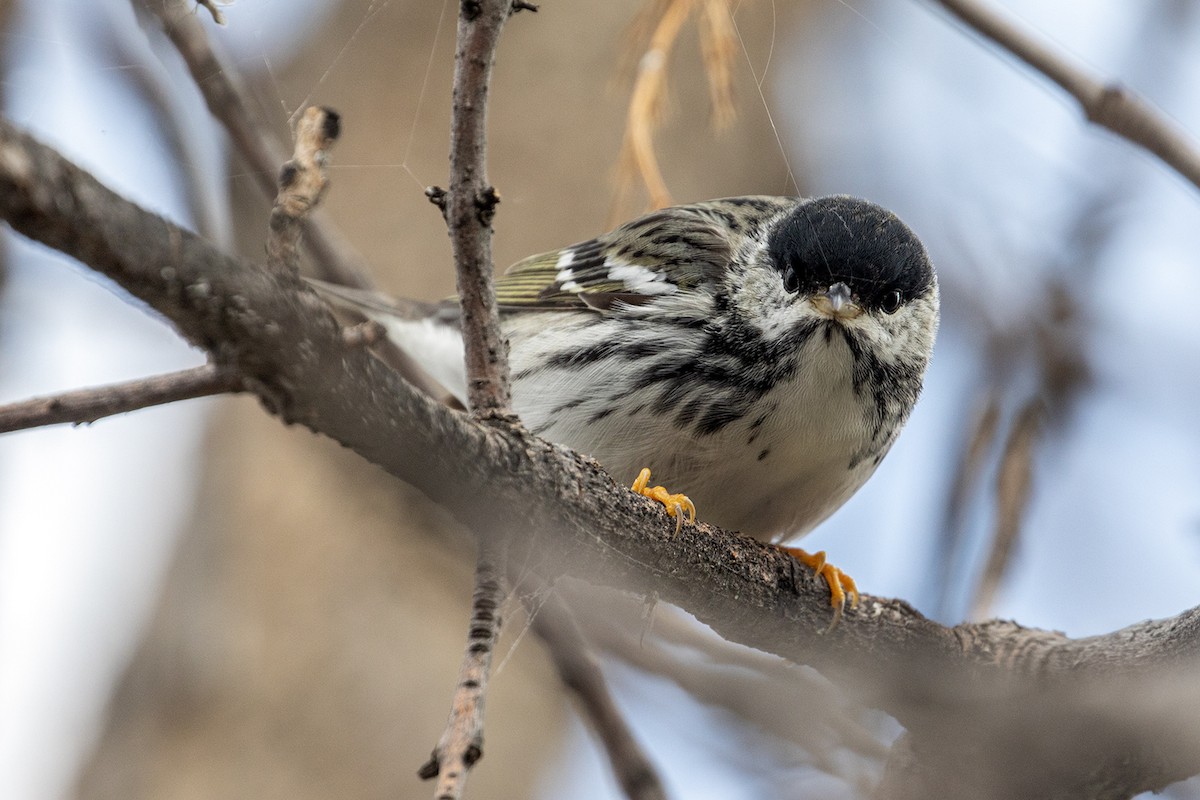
835 302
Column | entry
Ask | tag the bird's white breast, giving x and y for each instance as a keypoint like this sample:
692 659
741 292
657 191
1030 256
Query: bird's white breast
774 473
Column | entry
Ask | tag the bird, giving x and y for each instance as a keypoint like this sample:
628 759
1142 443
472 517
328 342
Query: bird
758 353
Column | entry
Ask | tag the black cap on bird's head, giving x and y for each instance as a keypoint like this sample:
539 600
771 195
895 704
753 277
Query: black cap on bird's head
845 240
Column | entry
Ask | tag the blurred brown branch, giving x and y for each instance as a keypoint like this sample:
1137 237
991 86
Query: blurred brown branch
658 27
1013 486
1109 105
580 672
1079 715
222 89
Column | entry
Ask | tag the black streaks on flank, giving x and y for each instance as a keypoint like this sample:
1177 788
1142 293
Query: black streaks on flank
601 414
688 323
691 409
734 368
754 427
600 351
718 417
764 454
567 406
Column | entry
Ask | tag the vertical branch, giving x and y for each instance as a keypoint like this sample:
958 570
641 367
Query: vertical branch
470 204
1012 496
302 182
461 744
468 207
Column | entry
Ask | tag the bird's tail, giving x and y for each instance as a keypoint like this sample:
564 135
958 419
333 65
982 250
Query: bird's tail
370 304
424 340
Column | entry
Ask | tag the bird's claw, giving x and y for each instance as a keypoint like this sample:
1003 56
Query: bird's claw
840 584
676 504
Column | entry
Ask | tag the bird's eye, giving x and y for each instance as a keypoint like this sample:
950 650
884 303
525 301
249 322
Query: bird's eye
791 279
891 302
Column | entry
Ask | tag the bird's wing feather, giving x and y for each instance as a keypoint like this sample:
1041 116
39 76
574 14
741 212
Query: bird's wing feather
671 250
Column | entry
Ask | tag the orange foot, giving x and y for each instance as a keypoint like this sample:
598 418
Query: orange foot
676 504
840 584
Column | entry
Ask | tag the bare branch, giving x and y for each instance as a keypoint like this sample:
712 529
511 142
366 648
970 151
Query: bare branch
580 672
470 204
1118 707
1012 497
468 208
88 405
655 32
767 692
211 6
1108 105
966 475
461 744
302 181
221 86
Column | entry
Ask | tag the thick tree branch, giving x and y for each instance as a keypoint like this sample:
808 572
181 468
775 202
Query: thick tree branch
88 405
221 86
1108 105
1123 704
470 204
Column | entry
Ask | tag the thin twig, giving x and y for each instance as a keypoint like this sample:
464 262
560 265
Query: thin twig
580 672
1012 496
461 744
88 405
468 208
217 16
965 477
1107 104
302 181
470 204
221 86
659 26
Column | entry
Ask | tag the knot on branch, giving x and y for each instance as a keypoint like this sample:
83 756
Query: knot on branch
470 10
485 205
437 196
518 5
433 767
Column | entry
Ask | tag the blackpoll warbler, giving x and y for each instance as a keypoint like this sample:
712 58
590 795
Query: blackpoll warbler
759 353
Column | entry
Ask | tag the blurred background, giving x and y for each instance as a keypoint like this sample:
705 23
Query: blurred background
196 601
